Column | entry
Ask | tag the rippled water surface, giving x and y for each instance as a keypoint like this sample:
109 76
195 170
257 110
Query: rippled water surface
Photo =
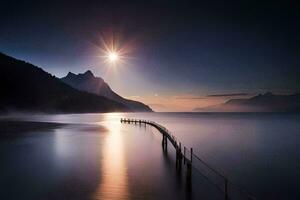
94 156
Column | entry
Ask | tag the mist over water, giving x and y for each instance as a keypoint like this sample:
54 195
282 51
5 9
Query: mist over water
94 156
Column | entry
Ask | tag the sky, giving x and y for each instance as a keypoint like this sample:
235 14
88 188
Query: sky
176 55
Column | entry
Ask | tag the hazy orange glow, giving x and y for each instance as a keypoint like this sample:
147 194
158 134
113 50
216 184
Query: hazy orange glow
180 103
177 103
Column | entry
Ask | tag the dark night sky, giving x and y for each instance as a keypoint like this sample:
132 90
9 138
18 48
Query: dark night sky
178 49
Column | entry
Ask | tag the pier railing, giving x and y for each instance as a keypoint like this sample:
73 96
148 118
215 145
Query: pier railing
185 156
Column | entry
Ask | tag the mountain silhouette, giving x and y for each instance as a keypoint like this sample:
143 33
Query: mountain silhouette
89 83
267 102
25 87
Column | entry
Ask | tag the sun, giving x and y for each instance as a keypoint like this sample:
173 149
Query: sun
113 57
113 52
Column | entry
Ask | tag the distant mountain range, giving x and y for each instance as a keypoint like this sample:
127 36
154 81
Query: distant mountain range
89 83
267 102
25 87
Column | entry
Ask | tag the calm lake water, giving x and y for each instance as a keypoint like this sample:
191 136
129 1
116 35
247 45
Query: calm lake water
94 156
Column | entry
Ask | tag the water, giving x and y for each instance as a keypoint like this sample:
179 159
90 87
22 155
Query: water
94 156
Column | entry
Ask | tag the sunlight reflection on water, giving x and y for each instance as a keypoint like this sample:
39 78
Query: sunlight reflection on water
114 175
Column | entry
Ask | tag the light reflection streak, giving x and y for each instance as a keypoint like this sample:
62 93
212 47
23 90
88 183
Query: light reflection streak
114 180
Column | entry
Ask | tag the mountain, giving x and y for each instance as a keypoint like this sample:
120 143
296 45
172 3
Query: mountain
96 85
25 87
267 102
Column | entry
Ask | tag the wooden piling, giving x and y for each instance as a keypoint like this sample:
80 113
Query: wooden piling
180 155
189 168
188 172
191 155
226 190
166 142
184 155
177 158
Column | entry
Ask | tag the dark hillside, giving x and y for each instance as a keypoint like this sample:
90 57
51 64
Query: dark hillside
25 87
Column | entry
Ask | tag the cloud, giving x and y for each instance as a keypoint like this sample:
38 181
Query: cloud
228 95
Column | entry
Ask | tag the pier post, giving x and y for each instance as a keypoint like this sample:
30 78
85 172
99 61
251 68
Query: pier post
184 155
164 141
191 155
189 168
188 172
177 159
226 189
180 155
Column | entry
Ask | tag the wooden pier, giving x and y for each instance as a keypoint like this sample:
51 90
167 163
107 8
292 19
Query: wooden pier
187 156
167 136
